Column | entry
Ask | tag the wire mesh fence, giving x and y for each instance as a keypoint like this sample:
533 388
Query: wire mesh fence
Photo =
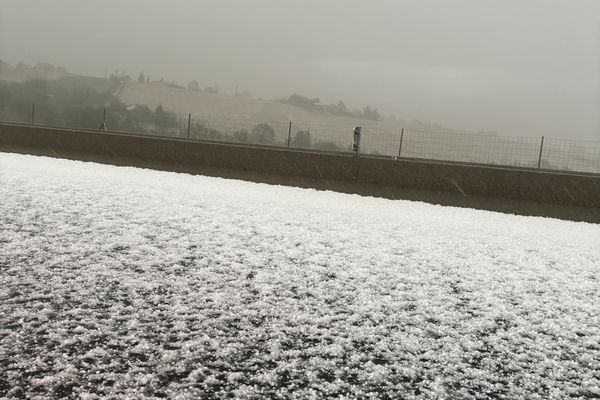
273 133
531 152
484 149
321 137
571 155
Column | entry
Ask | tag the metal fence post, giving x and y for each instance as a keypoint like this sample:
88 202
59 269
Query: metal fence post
356 140
33 114
541 150
289 133
400 147
103 123
189 124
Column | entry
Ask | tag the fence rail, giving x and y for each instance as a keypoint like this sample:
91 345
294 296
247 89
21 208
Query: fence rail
531 152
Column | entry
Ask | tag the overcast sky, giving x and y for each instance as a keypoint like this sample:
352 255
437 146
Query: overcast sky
521 67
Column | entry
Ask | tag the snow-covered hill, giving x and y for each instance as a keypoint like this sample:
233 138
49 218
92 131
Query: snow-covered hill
128 283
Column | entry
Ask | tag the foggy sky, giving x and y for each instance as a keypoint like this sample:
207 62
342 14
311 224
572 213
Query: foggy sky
521 67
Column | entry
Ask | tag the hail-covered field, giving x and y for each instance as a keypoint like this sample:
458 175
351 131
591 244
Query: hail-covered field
127 283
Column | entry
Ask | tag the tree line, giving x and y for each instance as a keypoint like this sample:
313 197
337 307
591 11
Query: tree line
340 109
78 102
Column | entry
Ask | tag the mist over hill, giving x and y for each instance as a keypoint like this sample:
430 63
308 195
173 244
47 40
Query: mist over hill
49 86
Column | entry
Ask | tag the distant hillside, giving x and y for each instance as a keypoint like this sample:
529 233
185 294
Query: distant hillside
201 103
48 72
205 104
